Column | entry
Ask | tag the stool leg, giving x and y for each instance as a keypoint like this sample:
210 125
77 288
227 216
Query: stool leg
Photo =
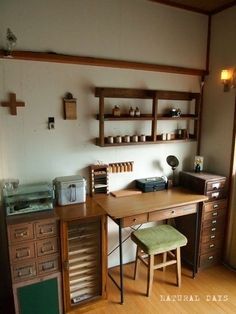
136 263
150 274
178 266
164 260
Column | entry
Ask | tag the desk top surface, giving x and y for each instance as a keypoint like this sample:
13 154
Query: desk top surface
147 202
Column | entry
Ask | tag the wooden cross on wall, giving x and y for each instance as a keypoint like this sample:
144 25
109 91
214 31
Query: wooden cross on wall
13 104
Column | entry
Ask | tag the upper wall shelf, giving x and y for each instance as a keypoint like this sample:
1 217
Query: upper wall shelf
189 134
92 61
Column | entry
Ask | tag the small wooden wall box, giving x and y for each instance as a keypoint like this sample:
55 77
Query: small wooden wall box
70 109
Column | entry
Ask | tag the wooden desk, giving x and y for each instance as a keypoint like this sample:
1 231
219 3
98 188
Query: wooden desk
149 207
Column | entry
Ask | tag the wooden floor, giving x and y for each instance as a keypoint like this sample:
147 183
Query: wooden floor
212 291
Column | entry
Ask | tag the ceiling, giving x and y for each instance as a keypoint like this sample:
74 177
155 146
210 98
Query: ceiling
201 6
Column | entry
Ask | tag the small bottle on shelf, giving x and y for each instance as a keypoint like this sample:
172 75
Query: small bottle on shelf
137 112
131 112
116 111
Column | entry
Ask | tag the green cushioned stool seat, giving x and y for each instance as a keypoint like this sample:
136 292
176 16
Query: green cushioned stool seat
162 239
159 239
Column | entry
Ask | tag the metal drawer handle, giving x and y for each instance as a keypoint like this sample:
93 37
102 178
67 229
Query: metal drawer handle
215 195
211 245
215 206
213 222
20 274
213 229
210 257
50 230
213 237
18 255
48 266
47 249
215 214
20 234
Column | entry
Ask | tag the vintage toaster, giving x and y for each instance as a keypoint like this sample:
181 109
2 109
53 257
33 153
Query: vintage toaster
70 190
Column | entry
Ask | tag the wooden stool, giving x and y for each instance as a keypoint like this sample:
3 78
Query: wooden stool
156 240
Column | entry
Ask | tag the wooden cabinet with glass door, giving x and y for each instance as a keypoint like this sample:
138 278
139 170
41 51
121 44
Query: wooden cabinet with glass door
158 105
84 255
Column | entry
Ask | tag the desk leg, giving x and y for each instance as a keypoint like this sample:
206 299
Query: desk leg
121 266
196 242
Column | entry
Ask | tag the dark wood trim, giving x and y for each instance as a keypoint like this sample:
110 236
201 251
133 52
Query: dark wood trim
194 9
83 60
223 7
181 6
200 117
208 43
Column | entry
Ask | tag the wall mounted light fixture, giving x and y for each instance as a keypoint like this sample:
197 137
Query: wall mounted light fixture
228 78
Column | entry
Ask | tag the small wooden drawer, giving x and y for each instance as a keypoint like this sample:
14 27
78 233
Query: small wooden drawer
46 229
134 220
48 265
20 232
217 229
215 185
210 258
213 214
24 271
217 222
211 237
210 246
22 252
173 212
47 246
215 195
216 205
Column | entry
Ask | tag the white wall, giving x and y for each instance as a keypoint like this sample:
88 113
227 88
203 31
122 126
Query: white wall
136 30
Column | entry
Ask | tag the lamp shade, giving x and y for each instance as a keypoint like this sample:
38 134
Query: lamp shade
225 75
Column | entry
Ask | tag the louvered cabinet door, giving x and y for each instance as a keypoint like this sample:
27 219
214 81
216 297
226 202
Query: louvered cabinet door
82 242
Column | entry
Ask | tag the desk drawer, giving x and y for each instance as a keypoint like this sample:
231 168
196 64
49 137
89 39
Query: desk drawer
210 258
215 195
20 232
215 185
211 246
22 252
24 271
49 265
46 229
173 212
47 246
217 205
134 220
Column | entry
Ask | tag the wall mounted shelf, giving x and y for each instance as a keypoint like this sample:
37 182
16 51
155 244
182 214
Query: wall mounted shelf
155 96
103 62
